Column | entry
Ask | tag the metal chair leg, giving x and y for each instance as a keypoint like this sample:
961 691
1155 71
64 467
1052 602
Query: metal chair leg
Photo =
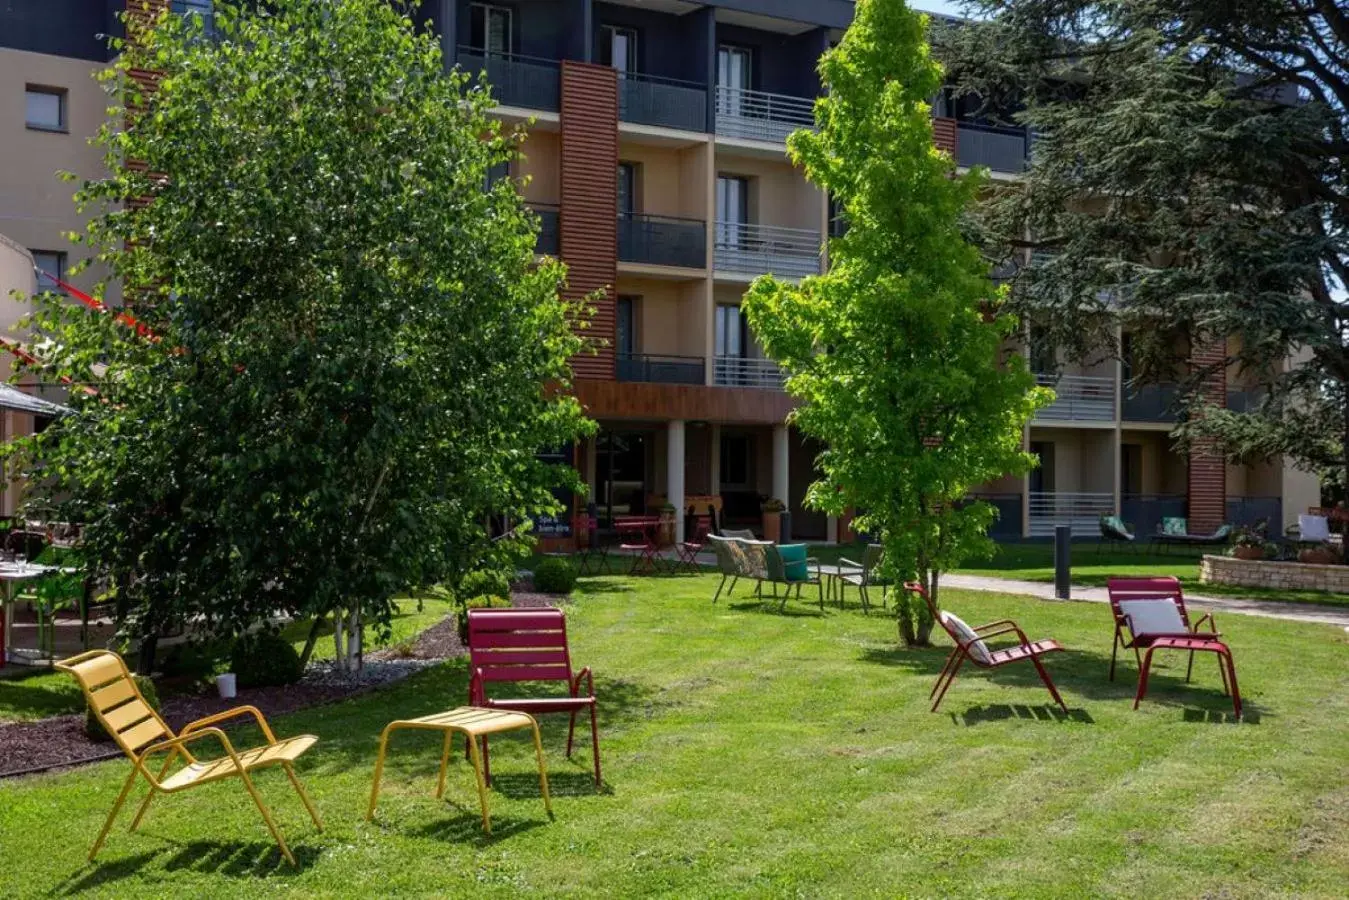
112 815
267 817
309 804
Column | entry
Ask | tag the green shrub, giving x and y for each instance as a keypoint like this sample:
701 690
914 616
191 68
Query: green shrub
265 660
194 659
484 582
554 575
94 729
486 601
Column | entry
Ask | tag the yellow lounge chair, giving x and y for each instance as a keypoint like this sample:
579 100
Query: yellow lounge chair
140 732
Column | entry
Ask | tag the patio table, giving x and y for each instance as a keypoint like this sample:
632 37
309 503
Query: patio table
11 573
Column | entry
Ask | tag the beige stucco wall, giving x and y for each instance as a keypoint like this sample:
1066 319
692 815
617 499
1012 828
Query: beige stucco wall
1163 471
539 168
1081 459
779 196
670 315
35 205
671 181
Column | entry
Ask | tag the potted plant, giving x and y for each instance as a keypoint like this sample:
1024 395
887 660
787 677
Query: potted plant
772 519
1318 554
1250 542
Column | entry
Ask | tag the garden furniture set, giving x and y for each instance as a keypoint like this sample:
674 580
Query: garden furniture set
505 645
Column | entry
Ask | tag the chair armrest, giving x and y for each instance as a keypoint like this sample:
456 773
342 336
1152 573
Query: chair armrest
844 561
179 744
1010 628
994 624
1206 617
230 714
590 681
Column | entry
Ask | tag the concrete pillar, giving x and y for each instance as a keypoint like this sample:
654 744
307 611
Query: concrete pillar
674 473
831 530
781 477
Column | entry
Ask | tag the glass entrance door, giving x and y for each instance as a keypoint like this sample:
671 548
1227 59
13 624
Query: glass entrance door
620 474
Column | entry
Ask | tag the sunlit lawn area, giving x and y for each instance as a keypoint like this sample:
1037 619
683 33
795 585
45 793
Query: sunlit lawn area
751 752
45 693
1093 563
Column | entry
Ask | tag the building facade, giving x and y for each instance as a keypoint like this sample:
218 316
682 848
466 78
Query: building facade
656 162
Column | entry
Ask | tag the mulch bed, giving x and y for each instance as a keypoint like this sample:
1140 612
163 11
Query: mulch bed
60 741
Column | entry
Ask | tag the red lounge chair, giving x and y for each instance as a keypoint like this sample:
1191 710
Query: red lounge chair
527 645
970 645
1150 615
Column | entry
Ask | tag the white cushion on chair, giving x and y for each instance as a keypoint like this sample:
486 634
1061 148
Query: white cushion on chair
1153 617
1313 528
978 649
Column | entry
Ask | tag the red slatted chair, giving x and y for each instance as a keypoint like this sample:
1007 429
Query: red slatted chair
970 645
1151 612
520 645
636 538
690 548
1162 587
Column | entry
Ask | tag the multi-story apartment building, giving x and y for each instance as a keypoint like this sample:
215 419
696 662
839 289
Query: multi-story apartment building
656 162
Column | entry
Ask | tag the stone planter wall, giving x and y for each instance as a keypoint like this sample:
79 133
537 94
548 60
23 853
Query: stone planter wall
1269 574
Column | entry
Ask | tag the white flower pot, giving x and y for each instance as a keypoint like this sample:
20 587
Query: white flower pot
226 685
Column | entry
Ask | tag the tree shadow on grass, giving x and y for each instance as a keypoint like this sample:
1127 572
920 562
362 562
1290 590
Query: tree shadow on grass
603 584
1085 673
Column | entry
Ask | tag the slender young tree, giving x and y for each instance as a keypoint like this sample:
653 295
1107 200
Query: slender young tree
896 353
346 353
1189 181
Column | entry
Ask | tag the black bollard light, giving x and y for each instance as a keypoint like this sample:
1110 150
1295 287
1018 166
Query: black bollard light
1063 548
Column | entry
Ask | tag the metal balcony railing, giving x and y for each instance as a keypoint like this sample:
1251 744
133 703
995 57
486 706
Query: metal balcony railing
742 371
662 240
1082 511
1000 149
1250 510
524 81
764 249
1144 512
653 100
548 243
1079 398
1150 403
1008 523
1244 401
761 116
659 369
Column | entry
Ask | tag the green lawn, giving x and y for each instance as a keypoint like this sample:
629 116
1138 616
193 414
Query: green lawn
46 693
1093 563
754 753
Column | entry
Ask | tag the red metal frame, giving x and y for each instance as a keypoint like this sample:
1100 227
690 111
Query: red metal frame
642 540
689 549
519 645
1226 667
1161 587
1027 649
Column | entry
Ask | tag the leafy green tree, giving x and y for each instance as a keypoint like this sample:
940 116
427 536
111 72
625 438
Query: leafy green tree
345 353
896 353
1189 179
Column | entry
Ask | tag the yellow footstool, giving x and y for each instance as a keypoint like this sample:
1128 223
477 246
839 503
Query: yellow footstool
473 723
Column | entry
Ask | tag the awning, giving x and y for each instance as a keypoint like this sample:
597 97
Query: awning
15 399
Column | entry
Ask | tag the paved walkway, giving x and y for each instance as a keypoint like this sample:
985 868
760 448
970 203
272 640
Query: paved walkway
1293 612
1269 609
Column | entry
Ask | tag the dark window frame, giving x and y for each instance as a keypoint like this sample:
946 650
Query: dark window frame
62 96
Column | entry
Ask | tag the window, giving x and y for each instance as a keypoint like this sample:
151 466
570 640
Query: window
734 74
52 265
626 314
730 332
496 172
1043 358
490 29
627 188
732 209
203 8
618 48
735 453
44 108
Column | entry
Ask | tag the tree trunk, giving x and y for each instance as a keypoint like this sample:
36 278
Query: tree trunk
1344 481
924 615
311 640
145 659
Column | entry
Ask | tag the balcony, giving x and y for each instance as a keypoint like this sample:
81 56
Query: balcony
662 241
1244 401
997 148
744 372
761 116
1150 403
1144 512
763 249
658 369
1082 511
522 81
548 244
1008 523
1248 511
1079 398
668 102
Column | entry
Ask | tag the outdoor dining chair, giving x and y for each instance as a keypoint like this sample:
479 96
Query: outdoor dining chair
971 645
864 576
142 735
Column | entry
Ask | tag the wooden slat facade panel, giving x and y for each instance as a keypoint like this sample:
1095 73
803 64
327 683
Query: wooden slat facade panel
609 399
944 134
1207 476
588 224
